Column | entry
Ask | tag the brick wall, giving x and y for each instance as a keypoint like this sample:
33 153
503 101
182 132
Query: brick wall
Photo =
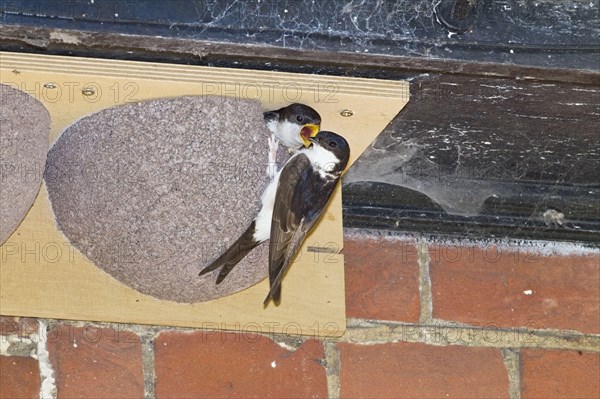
425 320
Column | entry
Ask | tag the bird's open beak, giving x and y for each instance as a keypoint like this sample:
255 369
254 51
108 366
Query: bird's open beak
307 132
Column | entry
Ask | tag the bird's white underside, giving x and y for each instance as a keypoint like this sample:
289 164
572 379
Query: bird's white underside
321 159
272 166
262 230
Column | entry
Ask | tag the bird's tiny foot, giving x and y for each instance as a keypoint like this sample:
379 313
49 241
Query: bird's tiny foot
272 166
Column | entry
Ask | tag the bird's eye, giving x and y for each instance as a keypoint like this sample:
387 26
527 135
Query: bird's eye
299 118
332 144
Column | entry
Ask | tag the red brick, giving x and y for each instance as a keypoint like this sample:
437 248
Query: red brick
96 362
222 364
559 374
382 279
19 377
414 370
502 288
22 326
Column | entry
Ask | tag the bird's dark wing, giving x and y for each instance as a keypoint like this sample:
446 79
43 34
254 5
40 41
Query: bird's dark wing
233 255
300 200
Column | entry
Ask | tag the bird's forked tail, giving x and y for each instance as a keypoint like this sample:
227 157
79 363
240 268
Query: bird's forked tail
227 261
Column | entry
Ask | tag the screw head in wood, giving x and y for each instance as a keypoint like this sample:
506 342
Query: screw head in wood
88 91
347 113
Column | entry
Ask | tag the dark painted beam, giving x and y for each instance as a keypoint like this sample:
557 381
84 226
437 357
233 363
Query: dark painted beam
518 39
482 156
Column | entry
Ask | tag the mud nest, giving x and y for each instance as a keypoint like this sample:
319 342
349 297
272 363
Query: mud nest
152 192
24 129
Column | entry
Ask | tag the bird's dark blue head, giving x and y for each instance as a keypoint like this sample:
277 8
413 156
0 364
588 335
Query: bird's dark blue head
336 144
306 118
295 113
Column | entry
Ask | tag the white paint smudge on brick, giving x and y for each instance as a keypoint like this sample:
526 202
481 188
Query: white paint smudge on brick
286 346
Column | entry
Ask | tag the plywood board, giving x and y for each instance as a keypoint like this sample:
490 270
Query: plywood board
42 275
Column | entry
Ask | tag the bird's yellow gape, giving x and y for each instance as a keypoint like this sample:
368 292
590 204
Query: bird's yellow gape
309 130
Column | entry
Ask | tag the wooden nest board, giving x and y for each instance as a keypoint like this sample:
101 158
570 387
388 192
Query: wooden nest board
42 275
